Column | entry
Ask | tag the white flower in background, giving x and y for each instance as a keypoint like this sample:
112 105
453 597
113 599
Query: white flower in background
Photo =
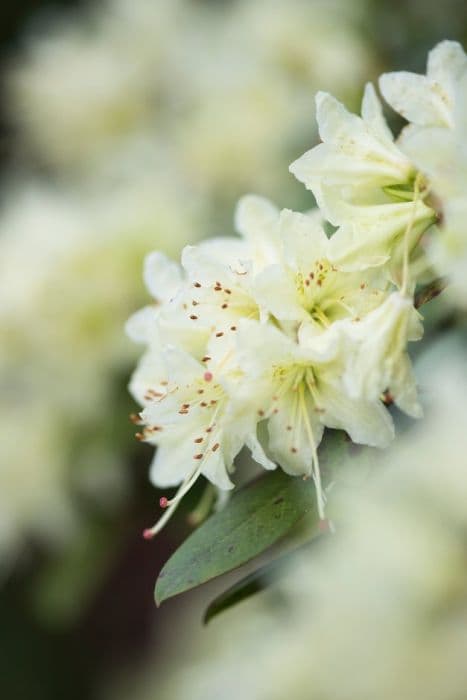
428 100
34 483
435 105
208 87
69 275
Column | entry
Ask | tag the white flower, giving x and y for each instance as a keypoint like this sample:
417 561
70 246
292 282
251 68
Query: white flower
363 183
297 389
371 236
435 140
377 359
304 286
356 159
428 100
434 105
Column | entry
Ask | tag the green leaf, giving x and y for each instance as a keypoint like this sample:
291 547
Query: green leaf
257 581
257 516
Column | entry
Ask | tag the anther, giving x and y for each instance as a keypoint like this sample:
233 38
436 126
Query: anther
219 334
193 317
198 456
215 447
196 284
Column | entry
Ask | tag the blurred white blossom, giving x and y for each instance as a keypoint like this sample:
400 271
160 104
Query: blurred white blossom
69 276
380 609
222 90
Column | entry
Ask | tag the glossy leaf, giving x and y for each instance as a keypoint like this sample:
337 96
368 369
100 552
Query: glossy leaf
257 516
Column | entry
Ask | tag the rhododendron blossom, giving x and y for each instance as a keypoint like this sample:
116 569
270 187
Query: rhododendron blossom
267 339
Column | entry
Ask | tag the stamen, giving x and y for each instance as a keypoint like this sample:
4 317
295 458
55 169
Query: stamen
171 505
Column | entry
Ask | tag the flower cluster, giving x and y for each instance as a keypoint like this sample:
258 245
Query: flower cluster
267 339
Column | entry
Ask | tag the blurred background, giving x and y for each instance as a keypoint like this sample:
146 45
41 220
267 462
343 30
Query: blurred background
128 126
